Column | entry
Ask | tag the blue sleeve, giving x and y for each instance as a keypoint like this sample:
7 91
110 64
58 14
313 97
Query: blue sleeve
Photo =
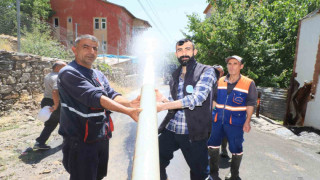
80 89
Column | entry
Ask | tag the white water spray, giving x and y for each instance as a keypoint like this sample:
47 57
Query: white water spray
146 156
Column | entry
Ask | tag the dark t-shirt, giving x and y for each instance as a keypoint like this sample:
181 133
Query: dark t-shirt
252 93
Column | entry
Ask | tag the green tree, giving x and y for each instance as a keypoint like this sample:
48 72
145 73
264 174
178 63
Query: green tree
36 33
39 41
29 10
262 32
8 18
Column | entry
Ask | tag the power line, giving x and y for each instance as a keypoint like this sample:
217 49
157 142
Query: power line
153 21
157 17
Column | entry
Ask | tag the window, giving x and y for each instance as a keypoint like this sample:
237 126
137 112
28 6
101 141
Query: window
69 20
96 23
103 23
56 22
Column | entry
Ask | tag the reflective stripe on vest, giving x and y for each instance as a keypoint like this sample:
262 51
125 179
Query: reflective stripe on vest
232 108
83 114
236 104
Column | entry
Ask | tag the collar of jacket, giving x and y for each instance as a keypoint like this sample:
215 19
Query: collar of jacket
190 67
175 77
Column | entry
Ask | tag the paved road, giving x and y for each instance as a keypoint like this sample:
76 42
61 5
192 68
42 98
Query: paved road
266 155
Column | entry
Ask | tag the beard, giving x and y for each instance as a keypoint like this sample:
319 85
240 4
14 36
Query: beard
184 62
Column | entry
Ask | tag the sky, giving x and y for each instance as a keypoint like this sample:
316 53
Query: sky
170 16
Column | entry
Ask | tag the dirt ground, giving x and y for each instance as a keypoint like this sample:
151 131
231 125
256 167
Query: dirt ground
18 130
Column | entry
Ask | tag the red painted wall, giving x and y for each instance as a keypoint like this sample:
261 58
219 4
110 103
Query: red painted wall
83 12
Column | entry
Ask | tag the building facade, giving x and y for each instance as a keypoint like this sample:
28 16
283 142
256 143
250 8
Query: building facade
112 24
208 11
304 93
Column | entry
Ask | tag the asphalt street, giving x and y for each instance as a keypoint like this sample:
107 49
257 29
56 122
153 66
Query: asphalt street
267 154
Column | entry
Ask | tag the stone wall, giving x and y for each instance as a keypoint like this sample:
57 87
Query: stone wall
21 77
273 102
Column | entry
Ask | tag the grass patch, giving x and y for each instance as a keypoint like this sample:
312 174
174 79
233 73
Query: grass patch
279 121
5 45
10 176
120 89
12 126
2 165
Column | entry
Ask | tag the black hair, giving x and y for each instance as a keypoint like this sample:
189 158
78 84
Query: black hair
182 41
57 63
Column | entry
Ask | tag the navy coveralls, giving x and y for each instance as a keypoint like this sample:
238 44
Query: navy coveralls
84 124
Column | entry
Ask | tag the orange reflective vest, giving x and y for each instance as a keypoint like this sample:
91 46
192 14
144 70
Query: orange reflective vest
231 108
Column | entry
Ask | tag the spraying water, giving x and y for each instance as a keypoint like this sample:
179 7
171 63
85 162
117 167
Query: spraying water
146 156
148 75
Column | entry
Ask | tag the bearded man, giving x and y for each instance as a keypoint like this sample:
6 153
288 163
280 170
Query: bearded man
187 123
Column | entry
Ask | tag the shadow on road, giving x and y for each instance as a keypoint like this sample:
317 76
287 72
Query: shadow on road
29 156
297 130
130 143
224 163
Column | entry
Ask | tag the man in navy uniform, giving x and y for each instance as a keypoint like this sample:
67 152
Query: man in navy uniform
86 100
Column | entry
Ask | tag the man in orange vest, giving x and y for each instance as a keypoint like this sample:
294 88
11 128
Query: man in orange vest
234 100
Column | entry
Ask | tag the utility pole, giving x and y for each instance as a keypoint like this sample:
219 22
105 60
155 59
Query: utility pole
76 30
18 21
103 49
118 49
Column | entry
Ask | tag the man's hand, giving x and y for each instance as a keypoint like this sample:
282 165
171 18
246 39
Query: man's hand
136 102
134 113
246 127
160 106
160 97
53 108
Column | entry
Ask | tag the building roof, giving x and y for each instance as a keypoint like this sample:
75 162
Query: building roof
144 21
207 9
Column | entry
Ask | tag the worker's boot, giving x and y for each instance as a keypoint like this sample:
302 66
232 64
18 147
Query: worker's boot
224 152
214 163
234 170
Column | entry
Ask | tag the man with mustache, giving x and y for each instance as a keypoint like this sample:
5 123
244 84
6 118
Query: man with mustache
234 101
86 102
187 123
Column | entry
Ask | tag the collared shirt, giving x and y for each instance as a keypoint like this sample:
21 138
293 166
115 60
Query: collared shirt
200 93
82 89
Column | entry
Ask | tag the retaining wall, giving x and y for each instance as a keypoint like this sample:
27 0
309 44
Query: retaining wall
21 77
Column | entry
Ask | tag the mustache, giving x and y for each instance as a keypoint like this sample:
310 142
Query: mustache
90 56
181 57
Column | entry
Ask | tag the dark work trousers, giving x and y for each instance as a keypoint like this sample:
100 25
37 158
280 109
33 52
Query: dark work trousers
51 123
194 152
233 133
85 161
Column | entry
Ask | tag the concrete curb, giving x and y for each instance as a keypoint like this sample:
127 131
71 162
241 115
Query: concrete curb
268 125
